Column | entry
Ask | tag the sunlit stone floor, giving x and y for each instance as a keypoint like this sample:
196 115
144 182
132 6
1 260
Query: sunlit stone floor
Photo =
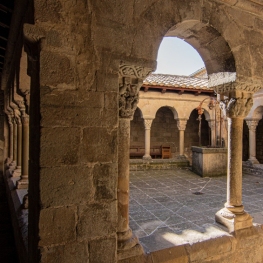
164 211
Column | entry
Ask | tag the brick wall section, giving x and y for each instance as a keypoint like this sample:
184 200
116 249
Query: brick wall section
259 142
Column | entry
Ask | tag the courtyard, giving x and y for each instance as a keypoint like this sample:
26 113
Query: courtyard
176 207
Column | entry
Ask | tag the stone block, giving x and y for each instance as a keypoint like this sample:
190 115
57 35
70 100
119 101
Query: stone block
99 145
105 179
68 253
56 69
57 225
97 220
59 185
63 143
209 161
103 250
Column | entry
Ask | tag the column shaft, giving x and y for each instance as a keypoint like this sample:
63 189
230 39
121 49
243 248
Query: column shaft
23 182
181 142
14 141
234 172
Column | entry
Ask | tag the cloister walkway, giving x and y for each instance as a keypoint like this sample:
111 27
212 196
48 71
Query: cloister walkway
174 207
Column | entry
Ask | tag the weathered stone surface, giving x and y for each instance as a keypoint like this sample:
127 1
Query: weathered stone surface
98 144
63 143
57 225
66 186
72 252
97 220
102 250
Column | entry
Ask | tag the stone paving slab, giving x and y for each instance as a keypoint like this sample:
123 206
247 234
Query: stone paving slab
166 211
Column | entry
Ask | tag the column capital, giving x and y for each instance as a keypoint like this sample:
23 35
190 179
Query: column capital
130 81
148 123
252 124
181 124
237 104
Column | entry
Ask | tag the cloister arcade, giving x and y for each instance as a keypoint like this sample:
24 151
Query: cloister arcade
71 74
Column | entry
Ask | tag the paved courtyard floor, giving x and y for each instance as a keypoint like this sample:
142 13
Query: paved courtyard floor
174 207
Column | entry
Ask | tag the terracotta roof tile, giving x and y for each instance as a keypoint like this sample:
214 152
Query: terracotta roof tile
176 81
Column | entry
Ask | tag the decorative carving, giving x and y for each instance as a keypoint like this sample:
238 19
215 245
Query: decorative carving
25 119
236 107
148 123
224 82
181 124
10 119
252 124
134 71
130 82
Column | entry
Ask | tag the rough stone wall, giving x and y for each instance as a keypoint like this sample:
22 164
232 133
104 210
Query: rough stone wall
245 155
164 130
137 130
259 141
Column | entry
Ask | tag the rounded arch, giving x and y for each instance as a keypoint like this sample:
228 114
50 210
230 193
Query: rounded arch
173 110
258 113
222 41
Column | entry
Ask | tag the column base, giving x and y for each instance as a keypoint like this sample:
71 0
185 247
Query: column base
128 245
147 157
233 221
17 172
22 184
252 161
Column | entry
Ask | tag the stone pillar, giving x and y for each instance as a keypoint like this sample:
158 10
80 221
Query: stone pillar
14 142
147 126
181 124
233 215
23 182
17 171
11 137
211 124
252 125
130 81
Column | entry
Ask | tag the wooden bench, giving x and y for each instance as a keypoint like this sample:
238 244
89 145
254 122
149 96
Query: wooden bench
138 151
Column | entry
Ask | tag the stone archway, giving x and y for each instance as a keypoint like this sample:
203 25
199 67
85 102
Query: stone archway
164 130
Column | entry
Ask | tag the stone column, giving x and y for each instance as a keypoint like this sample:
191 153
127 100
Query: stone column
130 81
233 215
211 124
252 125
181 124
147 126
17 171
23 182
11 137
14 143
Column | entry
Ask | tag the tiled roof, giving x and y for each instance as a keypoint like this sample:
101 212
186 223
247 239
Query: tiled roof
164 80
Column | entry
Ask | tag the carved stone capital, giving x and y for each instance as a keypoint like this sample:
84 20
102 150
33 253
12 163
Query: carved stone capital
237 105
181 124
25 119
148 123
130 81
10 118
224 82
252 124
